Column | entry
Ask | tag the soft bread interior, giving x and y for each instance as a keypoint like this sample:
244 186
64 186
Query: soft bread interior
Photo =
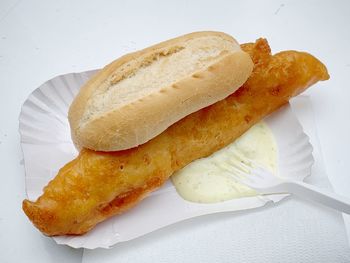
156 72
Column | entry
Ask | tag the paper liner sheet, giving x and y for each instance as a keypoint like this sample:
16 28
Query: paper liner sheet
47 146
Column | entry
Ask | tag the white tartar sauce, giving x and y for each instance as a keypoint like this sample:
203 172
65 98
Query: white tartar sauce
211 180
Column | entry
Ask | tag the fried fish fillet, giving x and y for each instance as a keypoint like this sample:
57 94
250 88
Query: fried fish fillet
98 185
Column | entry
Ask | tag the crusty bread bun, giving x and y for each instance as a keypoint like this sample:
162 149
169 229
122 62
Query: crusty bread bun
139 95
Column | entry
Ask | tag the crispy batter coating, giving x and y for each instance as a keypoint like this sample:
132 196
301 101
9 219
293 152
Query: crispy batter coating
98 185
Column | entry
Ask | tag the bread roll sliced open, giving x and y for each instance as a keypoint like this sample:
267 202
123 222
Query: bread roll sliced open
139 95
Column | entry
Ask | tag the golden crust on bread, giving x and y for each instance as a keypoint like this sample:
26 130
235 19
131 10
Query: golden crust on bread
98 185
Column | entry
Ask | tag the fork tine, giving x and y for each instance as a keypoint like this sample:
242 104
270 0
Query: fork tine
241 169
240 155
247 180
250 162
258 173
239 172
227 167
246 162
258 169
245 170
240 165
232 169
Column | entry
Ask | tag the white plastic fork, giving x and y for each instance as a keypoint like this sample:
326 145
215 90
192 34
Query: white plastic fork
265 182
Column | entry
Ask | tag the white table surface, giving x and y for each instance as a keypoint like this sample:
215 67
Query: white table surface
42 39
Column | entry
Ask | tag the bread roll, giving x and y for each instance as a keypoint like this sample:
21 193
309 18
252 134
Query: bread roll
139 95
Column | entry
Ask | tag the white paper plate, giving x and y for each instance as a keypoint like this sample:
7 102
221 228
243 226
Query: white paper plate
47 146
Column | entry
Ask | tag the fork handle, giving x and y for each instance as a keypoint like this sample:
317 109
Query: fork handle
319 195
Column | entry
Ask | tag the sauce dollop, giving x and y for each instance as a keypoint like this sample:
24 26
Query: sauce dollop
210 179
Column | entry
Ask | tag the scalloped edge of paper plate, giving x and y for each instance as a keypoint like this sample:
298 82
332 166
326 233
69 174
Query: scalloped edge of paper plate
47 146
